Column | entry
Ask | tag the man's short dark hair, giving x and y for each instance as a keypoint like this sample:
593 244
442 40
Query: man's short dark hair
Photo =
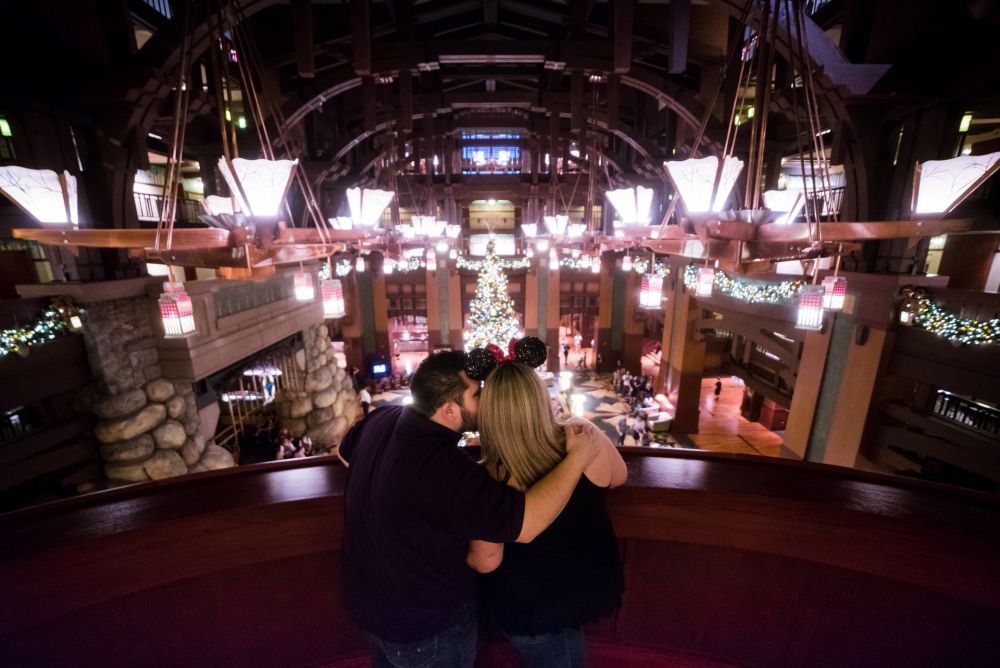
437 381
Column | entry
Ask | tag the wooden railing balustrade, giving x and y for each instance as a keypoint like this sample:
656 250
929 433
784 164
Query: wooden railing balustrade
729 560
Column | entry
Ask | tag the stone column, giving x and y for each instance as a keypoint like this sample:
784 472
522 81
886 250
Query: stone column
327 405
147 425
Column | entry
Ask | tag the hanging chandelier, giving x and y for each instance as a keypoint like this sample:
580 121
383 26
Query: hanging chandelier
367 205
697 179
633 205
556 224
258 186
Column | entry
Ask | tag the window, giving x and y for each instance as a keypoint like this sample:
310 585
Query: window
6 141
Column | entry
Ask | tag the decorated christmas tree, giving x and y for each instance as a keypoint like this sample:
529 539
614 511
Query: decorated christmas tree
491 315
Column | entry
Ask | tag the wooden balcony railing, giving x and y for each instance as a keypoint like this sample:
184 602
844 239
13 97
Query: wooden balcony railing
729 560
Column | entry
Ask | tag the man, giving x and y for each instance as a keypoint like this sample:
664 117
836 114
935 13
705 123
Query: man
565 354
718 387
365 398
412 504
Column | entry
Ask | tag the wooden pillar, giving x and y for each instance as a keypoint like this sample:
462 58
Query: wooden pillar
687 365
619 329
807 386
455 314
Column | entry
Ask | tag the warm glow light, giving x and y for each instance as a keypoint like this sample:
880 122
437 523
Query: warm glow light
810 315
216 206
263 182
542 245
627 263
453 254
576 230
176 310
834 292
431 260
49 197
304 288
632 204
788 201
452 231
944 183
491 202
595 265
553 257
694 179
556 224
706 280
965 123
651 293
388 266
428 226
367 205
359 264
75 322
529 229
344 223
333 298
441 246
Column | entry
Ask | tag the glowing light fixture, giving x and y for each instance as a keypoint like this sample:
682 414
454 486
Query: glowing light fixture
388 266
553 257
595 265
431 260
810 315
694 179
943 184
428 226
453 254
542 245
452 231
441 246
5 128
651 293
834 292
627 263
530 229
258 186
788 201
965 123
75 322
367 205
176 310
576 230
565 381
333 298
706 281
359 264
304 288
49 197
632 204
556 224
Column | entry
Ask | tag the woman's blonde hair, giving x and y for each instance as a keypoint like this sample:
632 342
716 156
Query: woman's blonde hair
521 438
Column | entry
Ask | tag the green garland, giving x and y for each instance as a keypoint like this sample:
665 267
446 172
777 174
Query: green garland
45 328
477 265
640 265
938 321
753 292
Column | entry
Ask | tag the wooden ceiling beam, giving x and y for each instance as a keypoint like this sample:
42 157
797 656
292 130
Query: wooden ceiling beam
302 31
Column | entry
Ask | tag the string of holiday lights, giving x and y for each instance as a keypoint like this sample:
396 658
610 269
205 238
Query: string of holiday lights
45 328
463 262
403 266
930 317
752 292
640 265
582 262
491 312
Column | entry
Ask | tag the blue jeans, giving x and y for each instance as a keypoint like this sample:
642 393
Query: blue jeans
452 648
562 649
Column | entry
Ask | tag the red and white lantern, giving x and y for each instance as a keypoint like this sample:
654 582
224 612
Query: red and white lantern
176 310
333 298
305 291
431 260
810 314
706 280
651 292
834 292
595 265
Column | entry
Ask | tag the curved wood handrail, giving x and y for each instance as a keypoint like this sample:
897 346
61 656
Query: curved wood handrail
64 559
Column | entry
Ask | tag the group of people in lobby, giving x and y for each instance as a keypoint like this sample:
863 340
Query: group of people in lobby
436 542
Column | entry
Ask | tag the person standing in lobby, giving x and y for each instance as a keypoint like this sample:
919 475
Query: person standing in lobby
413 503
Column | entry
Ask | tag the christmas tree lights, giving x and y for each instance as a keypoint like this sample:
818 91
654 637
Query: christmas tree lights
491 313
925 314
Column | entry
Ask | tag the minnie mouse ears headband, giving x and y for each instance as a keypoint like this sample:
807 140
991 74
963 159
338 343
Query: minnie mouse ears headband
530 351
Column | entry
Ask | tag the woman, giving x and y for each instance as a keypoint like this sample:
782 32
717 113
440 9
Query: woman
543 592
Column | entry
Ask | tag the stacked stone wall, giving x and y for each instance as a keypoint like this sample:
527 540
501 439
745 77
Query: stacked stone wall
327 405
148 426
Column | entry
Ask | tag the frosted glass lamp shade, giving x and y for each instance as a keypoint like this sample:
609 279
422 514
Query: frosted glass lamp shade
367 205
258 186
943 184
49 197
633 205
695 178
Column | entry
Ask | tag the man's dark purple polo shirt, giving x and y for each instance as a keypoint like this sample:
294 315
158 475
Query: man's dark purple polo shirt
413 502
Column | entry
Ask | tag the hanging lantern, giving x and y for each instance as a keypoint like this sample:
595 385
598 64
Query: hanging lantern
431 260
258 186
632 204
834 291
906 313
176 310
367 205
304 288
452 231
627 263
651 293
553 257
694 179
333 298
595 265
529 252
529 229
706 280
388 266
576 230
359 264
48 196
810 314
556 224
453 254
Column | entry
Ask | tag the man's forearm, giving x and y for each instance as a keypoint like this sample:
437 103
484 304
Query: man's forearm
546 498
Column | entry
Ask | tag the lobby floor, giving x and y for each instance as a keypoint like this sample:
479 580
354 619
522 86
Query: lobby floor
721 428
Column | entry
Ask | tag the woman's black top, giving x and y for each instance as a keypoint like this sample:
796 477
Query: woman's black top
570 574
